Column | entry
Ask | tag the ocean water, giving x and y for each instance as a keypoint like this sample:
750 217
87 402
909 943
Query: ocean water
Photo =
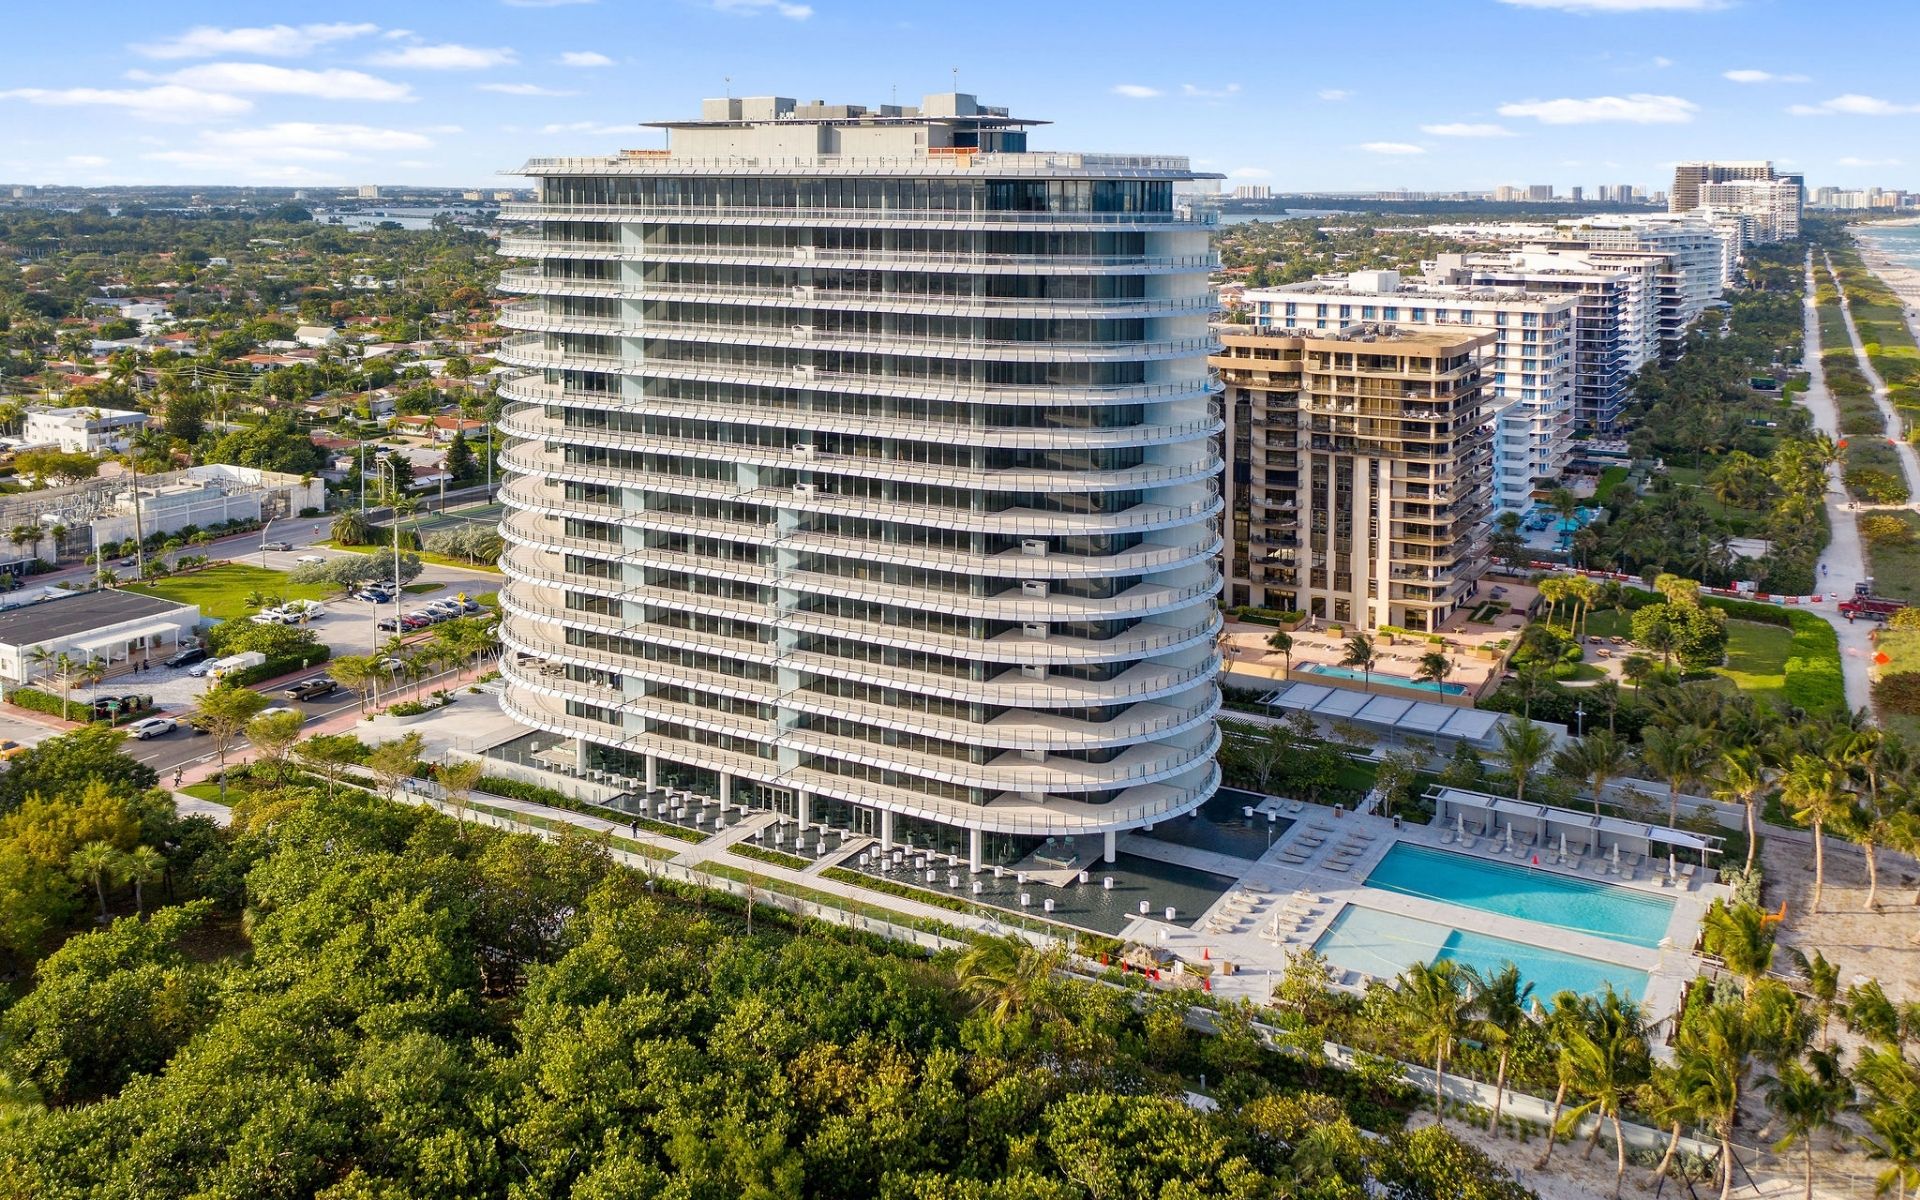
1901 243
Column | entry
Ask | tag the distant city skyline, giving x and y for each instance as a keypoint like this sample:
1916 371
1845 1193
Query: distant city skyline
1355 96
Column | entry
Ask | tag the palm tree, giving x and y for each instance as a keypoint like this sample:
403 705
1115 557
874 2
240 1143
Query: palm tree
98 863
1282 643
1662 1100
1597 758
1435 666
1893 1114
1433 1003
1523 745
1713 1052
1815 792
1676 754
1741 936
1008 976
1569 1012
144 865
1739 778
1806 1099
1823 992
1361 656
1500 1013
1609 1062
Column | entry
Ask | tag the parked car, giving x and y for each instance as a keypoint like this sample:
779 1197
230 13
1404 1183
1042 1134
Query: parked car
109 706
276 545
387 625
153 727
308 689
202 668
273 616
188 657
375 595
311 558
278 709
11 749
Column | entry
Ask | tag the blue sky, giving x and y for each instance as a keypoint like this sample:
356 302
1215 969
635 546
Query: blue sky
1309 96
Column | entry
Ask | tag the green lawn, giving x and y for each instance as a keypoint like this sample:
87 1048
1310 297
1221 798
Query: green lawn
1757 658
221 591
439 560
1896 565
1609 622
1610 479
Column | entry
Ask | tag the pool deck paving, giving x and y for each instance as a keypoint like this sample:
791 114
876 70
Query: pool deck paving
1305 897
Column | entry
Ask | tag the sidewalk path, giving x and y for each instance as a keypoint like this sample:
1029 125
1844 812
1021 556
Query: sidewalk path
1844 560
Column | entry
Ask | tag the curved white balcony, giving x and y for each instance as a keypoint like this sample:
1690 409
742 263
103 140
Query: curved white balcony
803 337
859 218
525 492
531 350
1138 806
1058 481
807 298
531 281
1144 763
912 261
534 316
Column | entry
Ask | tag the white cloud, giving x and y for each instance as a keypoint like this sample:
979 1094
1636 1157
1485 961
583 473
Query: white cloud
522 89
1334 94
1620 6
165 103
1250 173
292 141
1640 108
584 127
1392 148
448 56
1662 61
1135 91
753 8
1749 75
330 84
1854 105
274 41
1851 161
1466 129
86 160
584 58
1219 93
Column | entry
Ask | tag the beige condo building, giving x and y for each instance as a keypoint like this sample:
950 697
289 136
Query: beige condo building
1361 478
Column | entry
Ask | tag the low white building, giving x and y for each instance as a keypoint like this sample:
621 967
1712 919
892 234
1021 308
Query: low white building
204 496
82 430
122 631
316 336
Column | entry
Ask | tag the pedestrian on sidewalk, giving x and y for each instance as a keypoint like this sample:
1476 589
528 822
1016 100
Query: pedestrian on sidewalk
178 775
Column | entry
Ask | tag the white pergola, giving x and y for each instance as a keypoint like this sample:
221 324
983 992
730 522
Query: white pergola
1393 718
1486 815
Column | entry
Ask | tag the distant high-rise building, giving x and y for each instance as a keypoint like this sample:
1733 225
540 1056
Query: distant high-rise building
1690 177
1252 191
863 468
369 191
1539 191
1576 194
1506 193
1773 204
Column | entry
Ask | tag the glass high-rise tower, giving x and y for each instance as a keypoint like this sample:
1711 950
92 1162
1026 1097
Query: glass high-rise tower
866 468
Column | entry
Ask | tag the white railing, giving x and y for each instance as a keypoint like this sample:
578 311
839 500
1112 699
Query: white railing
781 214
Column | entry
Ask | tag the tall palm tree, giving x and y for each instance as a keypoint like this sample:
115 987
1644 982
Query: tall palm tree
1892 1113
98 863
1282 643
1678 755
1741 936
1435 666
1712 1056
1610 1062
144 865
1522 747
1815 792
1433 1002
1361 656
1740 777
1561 1021
1008 976
1597 758
1807 1099
1500 1012
1662 1099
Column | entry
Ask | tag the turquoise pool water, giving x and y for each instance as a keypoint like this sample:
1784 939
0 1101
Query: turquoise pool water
1418 685
1599 909
1382 944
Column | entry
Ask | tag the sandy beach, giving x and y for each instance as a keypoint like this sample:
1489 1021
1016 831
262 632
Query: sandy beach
1904 280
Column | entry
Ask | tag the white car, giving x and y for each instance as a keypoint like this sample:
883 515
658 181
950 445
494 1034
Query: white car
273 616
311 558
277 709
153 727
299 608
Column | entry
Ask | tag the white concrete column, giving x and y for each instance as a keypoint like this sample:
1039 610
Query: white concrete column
886 831
726 787
653 772
800 805
1106 854
973 850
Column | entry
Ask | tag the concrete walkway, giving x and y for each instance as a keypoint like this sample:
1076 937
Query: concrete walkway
1844 561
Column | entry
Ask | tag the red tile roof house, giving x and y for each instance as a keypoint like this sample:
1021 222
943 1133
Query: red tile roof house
447 424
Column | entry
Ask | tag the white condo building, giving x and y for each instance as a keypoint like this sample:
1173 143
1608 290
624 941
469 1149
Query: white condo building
866 469
1528 371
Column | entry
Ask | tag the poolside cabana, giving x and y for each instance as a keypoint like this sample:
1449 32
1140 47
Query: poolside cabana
1565 832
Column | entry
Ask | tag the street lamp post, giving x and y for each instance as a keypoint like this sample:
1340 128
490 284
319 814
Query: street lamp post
263 541
1580 718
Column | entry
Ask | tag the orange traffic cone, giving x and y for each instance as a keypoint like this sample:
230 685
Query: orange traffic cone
1205 954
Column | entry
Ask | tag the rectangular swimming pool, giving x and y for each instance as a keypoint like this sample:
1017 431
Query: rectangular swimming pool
1584 906
1383 944
1404 681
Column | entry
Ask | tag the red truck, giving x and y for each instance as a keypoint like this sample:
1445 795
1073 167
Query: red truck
1866 604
